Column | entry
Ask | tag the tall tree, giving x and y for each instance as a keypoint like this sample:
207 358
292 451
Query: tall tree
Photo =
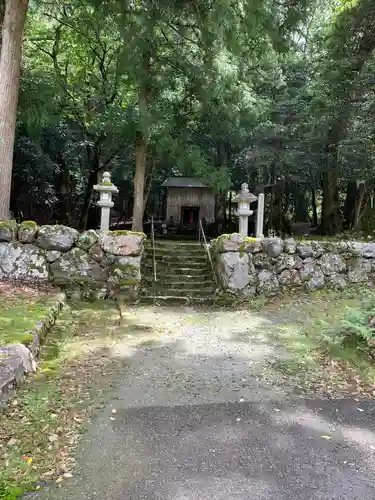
350 43
10 68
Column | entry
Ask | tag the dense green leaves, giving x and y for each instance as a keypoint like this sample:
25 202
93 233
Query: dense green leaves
261 91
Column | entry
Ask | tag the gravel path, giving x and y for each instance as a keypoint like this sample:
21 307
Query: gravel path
194 419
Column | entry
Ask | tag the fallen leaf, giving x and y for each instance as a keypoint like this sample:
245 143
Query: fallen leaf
12 442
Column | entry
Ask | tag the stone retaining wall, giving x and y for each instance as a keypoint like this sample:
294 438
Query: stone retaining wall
90 263
248 267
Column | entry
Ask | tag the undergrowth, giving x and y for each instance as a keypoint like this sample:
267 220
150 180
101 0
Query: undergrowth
332 348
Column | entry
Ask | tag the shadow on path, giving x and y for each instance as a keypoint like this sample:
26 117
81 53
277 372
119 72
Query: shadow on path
193 419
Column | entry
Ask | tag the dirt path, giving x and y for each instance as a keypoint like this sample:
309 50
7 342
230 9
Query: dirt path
204 412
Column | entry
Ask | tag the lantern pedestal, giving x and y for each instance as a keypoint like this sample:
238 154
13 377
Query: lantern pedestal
106 190
243 199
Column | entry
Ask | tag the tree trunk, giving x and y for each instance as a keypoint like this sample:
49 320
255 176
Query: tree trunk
350 200
302 205
314 208
330 223
141 147
139 182
359 203
10 68
2 12
87 199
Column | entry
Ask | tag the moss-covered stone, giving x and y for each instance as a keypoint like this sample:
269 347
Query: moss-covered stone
6 224
250 245
56 237
30 224
22 262
125 272
228 243
130 282
122 243
27 231
87 239
8 230
122 232
77 267
27 338
97 253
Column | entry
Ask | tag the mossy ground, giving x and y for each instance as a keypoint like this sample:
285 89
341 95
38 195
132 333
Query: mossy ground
20 313
317 361
78 368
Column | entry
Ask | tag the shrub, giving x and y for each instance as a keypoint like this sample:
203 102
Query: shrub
356 329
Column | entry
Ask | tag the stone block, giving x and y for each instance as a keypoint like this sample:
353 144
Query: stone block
23 262
76 267
229 243
8 230
87 239
27 232
61 238
122 243
332 264
268 284
273 247
234 270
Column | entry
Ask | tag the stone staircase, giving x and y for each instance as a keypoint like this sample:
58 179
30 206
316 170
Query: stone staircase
183 274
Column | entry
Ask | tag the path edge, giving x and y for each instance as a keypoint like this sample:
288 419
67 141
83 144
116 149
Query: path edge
18 361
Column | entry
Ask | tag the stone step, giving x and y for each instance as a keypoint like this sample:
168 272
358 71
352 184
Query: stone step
178 292
183 274
168 276
178 264
174 244
170 300
179 284
199 256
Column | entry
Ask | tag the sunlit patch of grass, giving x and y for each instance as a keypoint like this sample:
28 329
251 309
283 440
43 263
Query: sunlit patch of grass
19 315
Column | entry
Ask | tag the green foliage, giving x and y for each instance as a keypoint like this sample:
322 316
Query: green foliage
261 91
356 322
353 329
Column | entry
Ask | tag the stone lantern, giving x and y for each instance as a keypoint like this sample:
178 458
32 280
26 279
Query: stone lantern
106 190
243 200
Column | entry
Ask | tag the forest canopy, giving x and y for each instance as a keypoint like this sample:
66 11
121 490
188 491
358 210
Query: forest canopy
275 93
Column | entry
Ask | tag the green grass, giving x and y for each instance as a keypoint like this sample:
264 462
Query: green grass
79 364
19 315
318 344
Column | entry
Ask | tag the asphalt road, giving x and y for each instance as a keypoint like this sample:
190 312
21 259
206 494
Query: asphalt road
194 420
